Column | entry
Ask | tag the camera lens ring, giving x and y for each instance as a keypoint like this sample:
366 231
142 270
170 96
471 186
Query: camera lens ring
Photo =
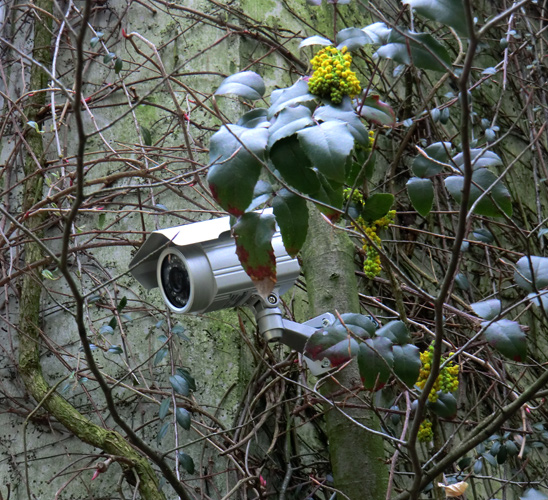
175 280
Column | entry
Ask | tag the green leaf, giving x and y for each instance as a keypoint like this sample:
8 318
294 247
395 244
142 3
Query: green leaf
407 363
46 273
377 206
315 40
183 418
344 113
462 281
186 462
291 214
361 321
418 49
330 193
101 221
246 84
427 167
395 331
164 408
161 433
253 233
106 330
481 180
254 118
483 235
478 466
445 406
352 39
511 448
122 304
147 137
480 159
262 192
375 361
160 355
94 41
533 494
421 194
118 64
179 384
291 96
294 166
34 125
109 57
531 273
115 349
236 154
188 377
334 343
507 338
449 12
487 309
378 32
179 330
377 111
288 122
327 146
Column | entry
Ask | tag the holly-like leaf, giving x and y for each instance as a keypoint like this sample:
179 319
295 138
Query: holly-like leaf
284 98
421 194
482 179
292 217
507 338
253 234
183 418
164 408
315 40
378 32
254 118
531 273
377 111
361 321
445 406
180 385
418 49
395 331
246 84
344 113
480 159
186 462
407 363
262 192
352 38
487 309
294 166
334 343
449 12
288 122
375 361
327 146
330 193
428 167
377 206
236 153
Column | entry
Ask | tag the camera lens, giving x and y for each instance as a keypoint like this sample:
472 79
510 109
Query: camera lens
175 280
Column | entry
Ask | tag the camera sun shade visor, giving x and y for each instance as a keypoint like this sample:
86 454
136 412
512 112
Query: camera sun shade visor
197 269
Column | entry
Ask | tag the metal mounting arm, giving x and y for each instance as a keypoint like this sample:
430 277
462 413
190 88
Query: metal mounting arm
275 328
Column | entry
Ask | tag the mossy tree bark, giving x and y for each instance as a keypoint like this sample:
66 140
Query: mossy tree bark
357 456
30 315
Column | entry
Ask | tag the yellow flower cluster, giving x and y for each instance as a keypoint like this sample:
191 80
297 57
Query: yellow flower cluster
448 379
426 434
372 264
332 75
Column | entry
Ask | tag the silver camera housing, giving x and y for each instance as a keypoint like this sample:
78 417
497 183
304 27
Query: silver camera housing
197 269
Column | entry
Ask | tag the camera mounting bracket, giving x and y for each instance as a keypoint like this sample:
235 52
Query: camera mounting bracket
274 328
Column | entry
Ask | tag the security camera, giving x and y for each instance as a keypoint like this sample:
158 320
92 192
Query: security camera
197 269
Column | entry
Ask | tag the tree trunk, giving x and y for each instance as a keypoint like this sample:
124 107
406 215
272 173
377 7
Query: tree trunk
357 457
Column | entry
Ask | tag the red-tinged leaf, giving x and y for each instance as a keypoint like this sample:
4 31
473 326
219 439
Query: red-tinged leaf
507 338
375 362
253 233
292 217
333 343
236 153
376 111
407 363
